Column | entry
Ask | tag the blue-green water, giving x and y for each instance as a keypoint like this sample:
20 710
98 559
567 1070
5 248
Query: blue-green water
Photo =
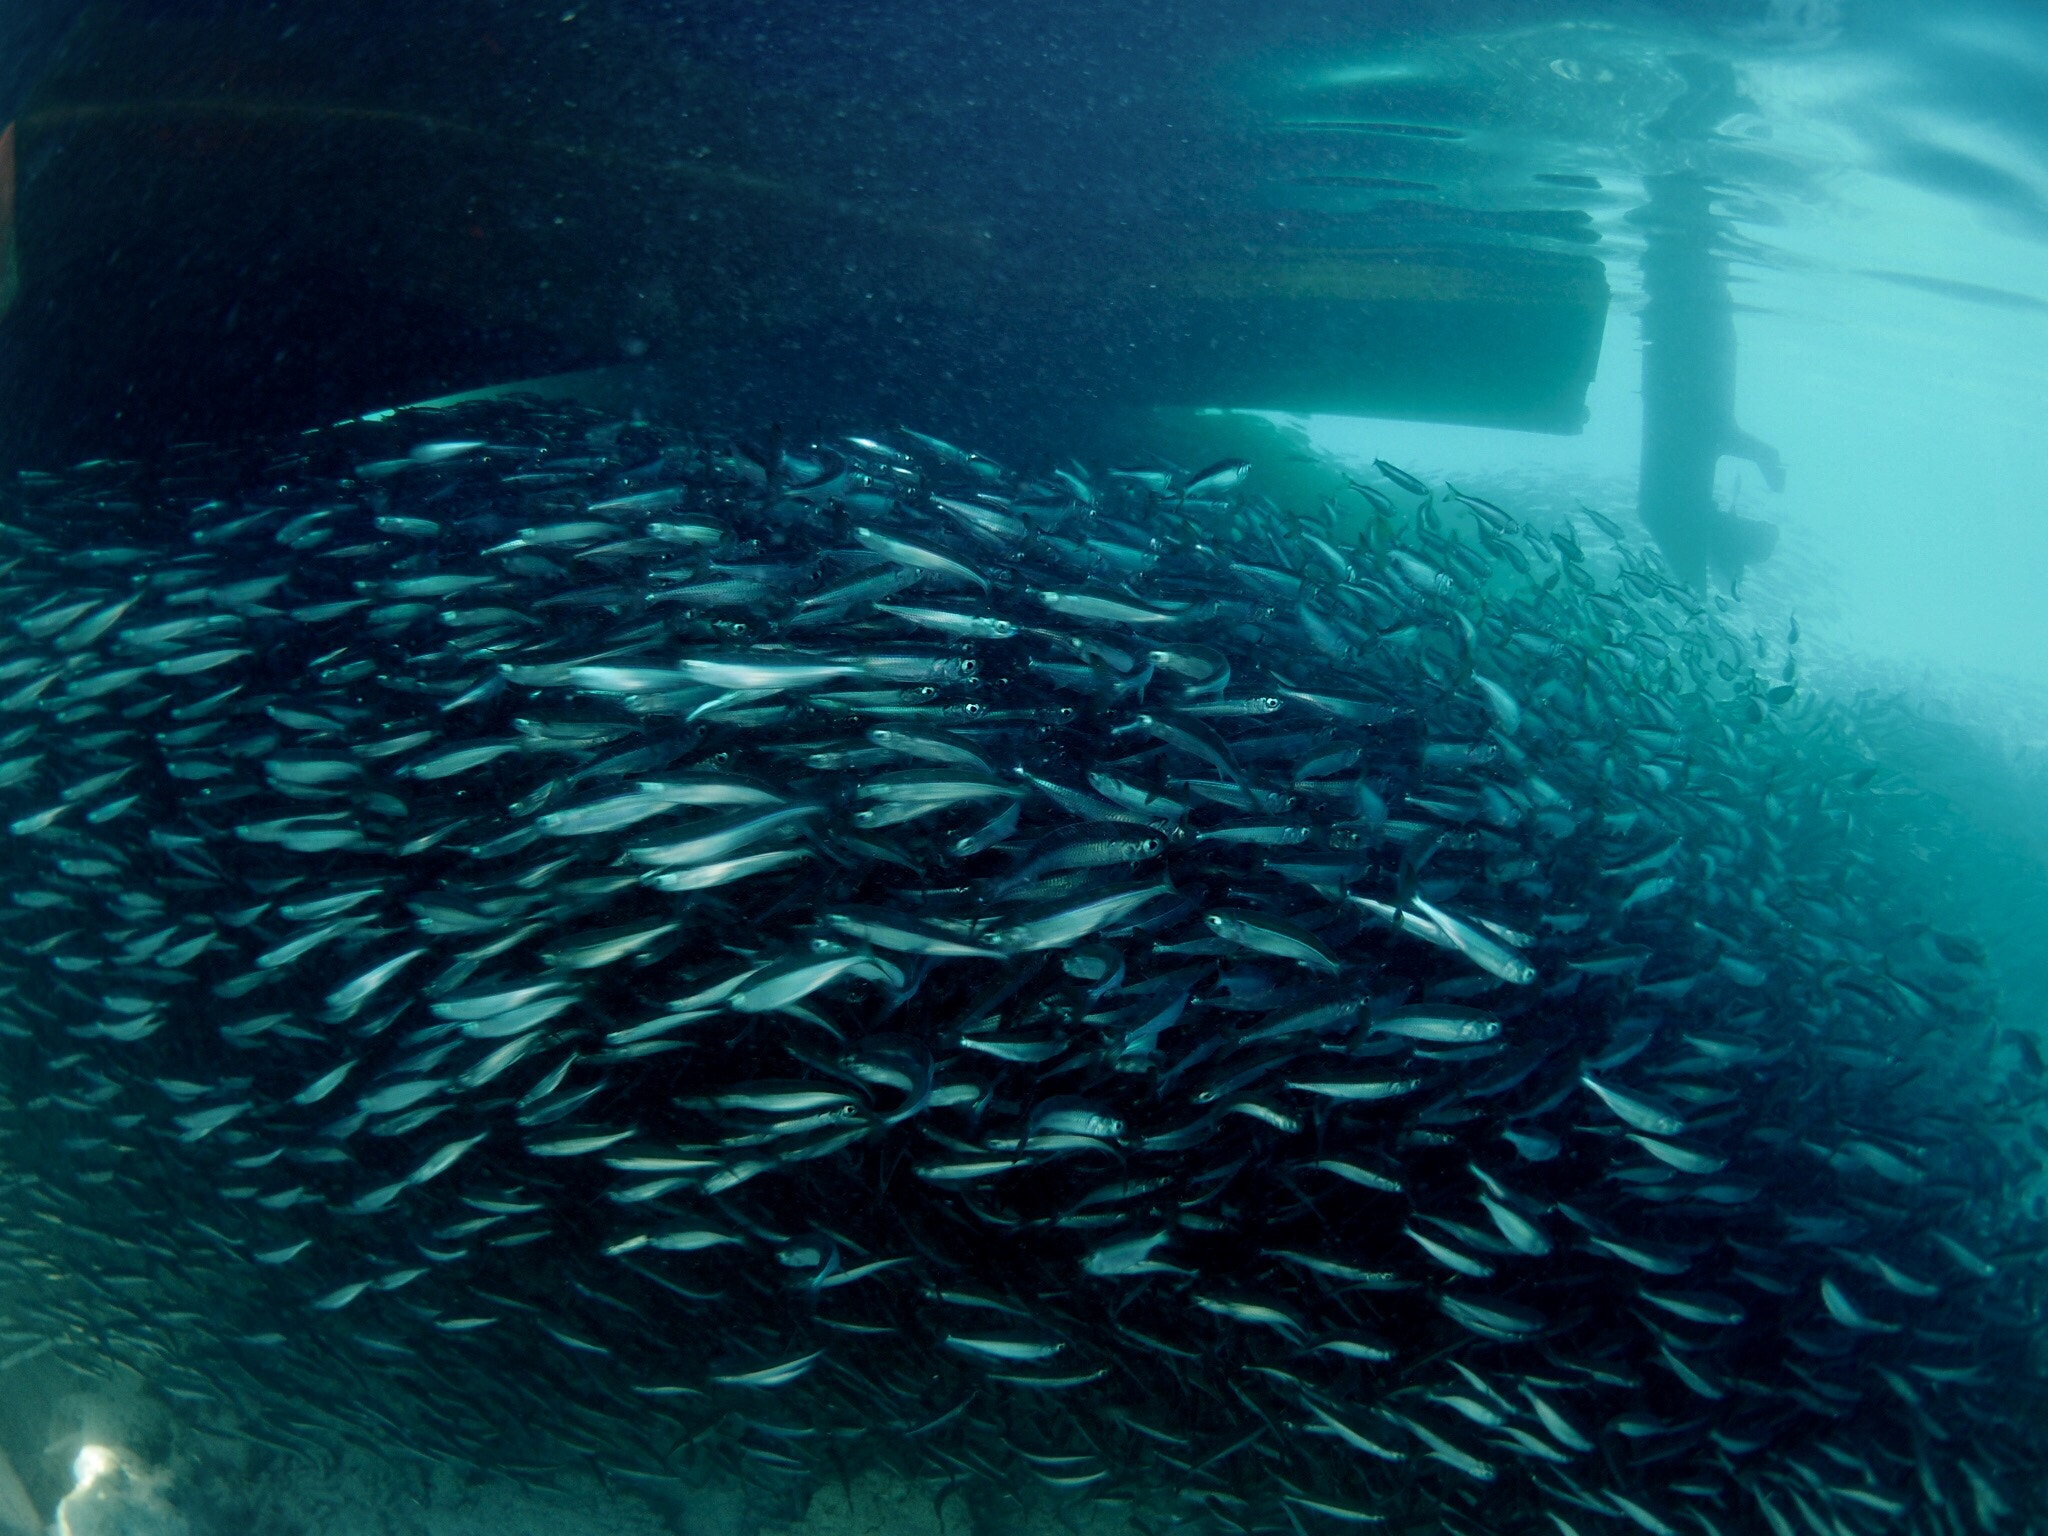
1246 770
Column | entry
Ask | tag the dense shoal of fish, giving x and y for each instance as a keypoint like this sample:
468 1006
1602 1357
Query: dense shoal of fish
544 941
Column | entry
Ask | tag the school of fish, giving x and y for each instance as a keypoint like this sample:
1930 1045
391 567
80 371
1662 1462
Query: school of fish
552 941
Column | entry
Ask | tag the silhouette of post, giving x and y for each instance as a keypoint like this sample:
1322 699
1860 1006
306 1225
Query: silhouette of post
1689 352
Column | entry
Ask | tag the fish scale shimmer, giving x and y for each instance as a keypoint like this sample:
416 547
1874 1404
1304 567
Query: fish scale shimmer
673 954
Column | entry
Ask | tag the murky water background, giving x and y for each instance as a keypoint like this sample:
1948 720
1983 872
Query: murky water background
1025 230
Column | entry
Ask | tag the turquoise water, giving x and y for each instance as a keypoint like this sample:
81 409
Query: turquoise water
1491 551
1878 187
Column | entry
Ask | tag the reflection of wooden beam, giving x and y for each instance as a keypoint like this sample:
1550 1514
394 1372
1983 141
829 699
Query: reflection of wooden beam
1416 274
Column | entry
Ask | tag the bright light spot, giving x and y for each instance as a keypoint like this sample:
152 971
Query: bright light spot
91 1464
